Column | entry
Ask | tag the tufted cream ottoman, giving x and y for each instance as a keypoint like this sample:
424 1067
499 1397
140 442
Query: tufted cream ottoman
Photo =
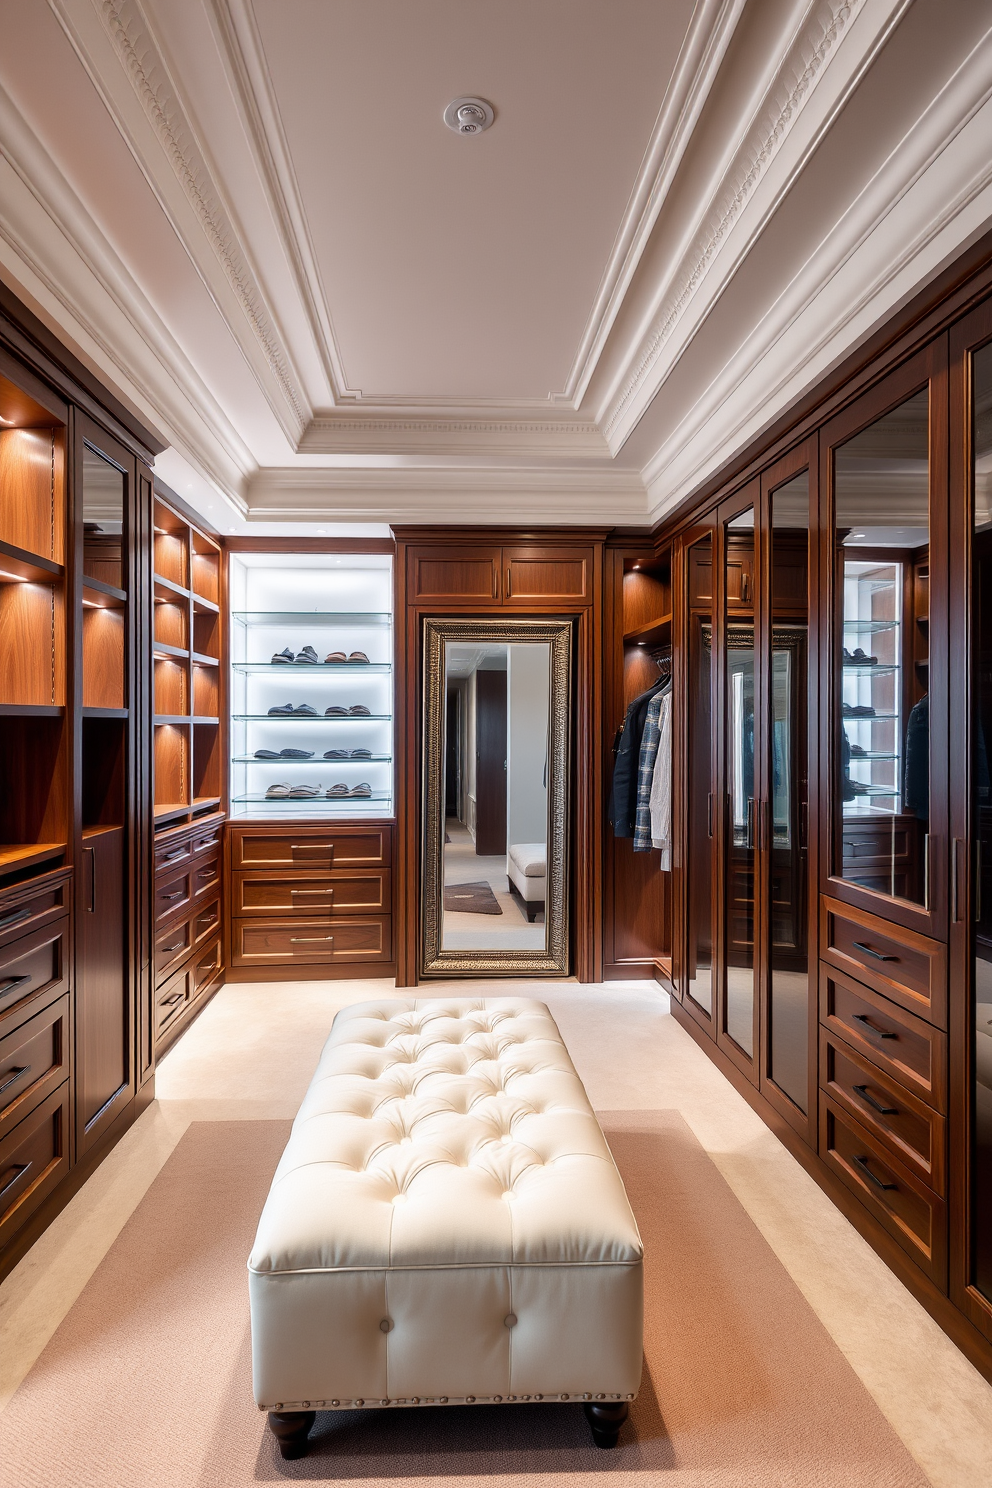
446 1227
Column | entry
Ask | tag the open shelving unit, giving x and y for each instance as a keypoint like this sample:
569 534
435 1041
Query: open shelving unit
187 636
334 603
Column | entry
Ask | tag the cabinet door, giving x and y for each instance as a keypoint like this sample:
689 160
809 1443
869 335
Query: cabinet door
698 959
546 575
104 1068
444 573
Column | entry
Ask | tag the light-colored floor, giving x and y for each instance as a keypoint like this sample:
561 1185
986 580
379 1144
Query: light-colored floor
509 931
251 1054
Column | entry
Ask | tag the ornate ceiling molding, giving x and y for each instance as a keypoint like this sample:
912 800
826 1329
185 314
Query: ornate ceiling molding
429 433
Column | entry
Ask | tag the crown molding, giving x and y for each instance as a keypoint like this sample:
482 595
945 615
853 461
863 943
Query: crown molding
610 497
428 432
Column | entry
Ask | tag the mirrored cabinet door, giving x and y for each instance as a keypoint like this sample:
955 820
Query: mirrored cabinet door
699 945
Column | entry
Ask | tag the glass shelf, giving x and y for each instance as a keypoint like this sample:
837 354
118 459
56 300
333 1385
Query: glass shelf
868 669
871 754
870 627
249 759
867 717
869 791
354 667
306 718
307 803
352 620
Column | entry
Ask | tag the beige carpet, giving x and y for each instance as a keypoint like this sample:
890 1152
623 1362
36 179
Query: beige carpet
147 1382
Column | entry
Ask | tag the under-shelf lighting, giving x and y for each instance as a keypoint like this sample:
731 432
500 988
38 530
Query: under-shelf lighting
14 578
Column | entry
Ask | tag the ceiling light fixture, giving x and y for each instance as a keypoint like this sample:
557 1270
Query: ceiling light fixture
469 115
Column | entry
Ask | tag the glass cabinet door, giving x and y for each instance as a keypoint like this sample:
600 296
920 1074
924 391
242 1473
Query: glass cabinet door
699 938
740 794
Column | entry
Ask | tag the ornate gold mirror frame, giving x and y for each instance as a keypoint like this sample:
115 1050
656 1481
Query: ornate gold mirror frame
554 960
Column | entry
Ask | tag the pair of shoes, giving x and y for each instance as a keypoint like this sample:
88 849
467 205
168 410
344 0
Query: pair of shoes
338 658
858 710
857 752
860 658
363 754
294 792
306 657
357 710
288 710
273 754
341 790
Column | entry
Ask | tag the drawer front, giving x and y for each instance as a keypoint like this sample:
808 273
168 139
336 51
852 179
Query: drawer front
206 876
913 1052
911 1130
172 945
535 575
172 895
208 964
907 1208
34 1157
172 855
297 893
37 963
21 911
208 839
205 922
901 964
310 849
34 1061
270 943
172 998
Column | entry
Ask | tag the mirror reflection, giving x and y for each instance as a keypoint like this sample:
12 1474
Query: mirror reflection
981 797
496 740
103 519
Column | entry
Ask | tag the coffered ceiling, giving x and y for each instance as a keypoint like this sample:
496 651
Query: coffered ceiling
249 217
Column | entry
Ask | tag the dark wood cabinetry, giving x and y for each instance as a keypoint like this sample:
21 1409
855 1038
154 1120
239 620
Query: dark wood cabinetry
187 907
105 1023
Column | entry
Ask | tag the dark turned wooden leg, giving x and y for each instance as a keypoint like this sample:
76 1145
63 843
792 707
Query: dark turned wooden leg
291 1429
605 1421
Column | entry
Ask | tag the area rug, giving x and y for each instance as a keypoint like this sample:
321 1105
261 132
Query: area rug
147 1383
471 898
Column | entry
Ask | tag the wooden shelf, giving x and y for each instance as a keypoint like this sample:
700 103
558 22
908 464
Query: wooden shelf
18 566
203 718
652 633
201 803
108 598
173 718
204 606
200 660
170 590
105 712
99 831
169 811
30 710
26 855
169 653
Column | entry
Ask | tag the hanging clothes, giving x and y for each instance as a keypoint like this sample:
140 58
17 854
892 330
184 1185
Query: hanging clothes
916 783
622 811
650 739
661 786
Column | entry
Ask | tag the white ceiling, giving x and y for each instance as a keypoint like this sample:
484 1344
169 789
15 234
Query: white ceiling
248 216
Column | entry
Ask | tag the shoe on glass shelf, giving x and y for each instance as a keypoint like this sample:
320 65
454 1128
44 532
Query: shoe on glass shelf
861 659
282 710
359 658
277 790
305 792
285 656
335 754
268 754
307 656
359 710
334 711
296 753
337 790
335 658
304 710
361 754
857 752
361 790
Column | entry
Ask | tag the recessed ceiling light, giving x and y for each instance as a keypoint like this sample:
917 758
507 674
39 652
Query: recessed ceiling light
469 115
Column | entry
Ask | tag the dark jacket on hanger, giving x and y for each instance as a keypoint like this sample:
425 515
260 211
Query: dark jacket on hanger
622 812
916 785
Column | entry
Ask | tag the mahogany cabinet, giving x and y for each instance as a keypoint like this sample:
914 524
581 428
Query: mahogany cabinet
188 923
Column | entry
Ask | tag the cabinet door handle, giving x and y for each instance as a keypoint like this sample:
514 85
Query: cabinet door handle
19 1170
870 1100
175 856
177 895
328 892
171 1001
508 590
177 947
859 945
14 981
308 939
202 847
13 1076
955 912
862 1163
870 1027
91 909
15 918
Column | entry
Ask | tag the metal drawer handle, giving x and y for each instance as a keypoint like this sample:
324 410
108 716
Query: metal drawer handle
14 1076
308 939
204 845
177 895
862 1163
327 847
208 965
870 1027
12 982
16 917
170 1001
859 945
21 1170
177 947
293 892
206 872
174 857
870 1100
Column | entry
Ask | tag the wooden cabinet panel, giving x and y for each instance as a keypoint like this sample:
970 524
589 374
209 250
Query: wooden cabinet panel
173 893
454 573
206 966
172 945
172 998
537 575
913 1052
907 1208
206 876
23 909
34 1157
104 1025
300 894
909 1128
205 922
903 965
309 848
35 964
271 943
34 1061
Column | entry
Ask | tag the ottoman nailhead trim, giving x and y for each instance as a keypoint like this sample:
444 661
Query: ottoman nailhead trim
359 1402
335 1402
383 1402
470 1399
538 1397
564 1397
444 1399
497 1398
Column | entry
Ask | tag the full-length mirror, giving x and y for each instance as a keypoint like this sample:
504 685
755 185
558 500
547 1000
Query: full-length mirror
495 796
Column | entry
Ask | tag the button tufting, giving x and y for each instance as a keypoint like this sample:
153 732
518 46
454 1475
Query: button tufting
399 1198
385 1325
510 1321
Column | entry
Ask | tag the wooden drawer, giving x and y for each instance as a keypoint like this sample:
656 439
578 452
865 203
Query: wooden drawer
907 1208
36 963
907 1126
310 848
298 893
208 964
34 1157
277 943
172 946
25 907
914 1053
171 854
172 895
207 839
34 1061
901 964
542 575
171 998
206 876
205 921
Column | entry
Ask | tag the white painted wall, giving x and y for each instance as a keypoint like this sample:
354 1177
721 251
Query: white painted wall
528 691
